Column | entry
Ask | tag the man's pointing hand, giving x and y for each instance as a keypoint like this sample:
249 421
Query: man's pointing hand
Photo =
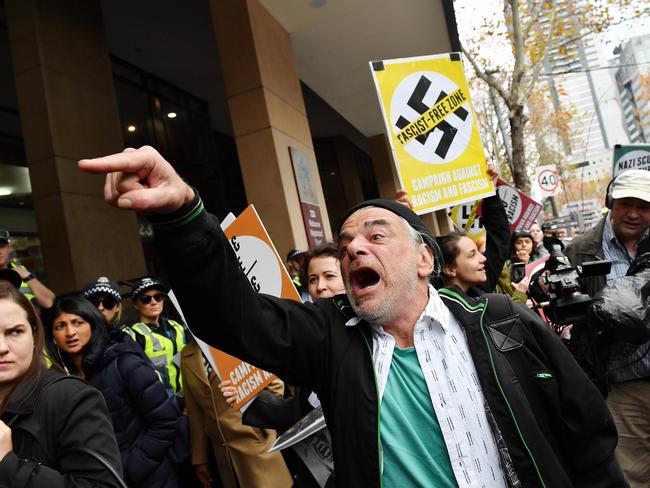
140 180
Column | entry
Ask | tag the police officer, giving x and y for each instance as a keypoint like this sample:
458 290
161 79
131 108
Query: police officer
105 294
31 287
160 338
294 264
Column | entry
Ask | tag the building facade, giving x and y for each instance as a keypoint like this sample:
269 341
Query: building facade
633 81
226 90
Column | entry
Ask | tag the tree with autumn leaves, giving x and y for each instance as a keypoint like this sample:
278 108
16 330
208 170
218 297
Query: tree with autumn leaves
537 33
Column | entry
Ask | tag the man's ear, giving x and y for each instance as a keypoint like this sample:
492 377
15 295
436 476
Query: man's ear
425 262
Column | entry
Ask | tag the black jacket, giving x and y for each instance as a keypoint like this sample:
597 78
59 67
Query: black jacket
144 416
310 345
555 423
49 424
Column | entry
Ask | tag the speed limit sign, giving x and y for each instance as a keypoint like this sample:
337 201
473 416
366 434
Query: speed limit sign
548 180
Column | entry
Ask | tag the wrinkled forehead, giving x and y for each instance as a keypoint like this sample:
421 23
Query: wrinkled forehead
367 217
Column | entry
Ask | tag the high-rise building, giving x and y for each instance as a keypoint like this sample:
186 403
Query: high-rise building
633 82
580 81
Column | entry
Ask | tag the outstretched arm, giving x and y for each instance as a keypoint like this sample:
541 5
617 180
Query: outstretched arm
281 336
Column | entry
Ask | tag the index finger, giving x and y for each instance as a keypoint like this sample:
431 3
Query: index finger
129 161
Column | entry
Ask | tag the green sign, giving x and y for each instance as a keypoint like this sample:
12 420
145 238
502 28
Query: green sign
630 157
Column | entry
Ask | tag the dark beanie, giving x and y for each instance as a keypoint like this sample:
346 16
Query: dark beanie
407 214
397 208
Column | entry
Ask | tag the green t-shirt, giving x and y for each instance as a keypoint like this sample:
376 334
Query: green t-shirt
414 451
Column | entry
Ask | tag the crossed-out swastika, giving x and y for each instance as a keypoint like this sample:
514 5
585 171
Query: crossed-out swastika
416 102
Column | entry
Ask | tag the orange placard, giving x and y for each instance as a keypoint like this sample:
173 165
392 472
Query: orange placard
260 262
257 256
248 379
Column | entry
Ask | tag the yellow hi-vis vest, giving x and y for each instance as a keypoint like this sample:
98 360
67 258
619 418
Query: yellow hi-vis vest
161 351
24 286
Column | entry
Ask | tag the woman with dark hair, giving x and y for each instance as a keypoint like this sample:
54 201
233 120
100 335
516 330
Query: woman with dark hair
464 265
144 416
522 250
54 430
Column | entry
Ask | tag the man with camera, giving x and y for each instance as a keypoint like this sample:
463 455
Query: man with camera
616 238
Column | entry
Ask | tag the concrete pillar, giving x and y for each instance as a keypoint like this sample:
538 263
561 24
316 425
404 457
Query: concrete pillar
68 111
268 115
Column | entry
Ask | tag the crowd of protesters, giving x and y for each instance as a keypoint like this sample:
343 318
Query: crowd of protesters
473 387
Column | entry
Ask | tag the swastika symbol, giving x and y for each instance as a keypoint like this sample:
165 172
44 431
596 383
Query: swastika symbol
416 102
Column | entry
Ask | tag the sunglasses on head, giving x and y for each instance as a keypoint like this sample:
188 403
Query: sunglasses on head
106 302
158 297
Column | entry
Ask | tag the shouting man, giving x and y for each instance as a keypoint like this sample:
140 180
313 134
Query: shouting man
419 388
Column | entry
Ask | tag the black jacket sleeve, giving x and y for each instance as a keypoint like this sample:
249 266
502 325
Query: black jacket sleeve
497 246
158 412
270 411
280 336
77 417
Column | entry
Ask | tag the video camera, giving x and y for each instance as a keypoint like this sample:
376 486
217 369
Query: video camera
567 303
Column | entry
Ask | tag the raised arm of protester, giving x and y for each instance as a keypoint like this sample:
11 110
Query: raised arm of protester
283 337
497 232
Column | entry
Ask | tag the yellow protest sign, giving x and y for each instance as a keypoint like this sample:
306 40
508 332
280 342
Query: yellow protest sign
432 130
465 219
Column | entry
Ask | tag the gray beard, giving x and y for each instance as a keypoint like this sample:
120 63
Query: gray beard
402 290
372 317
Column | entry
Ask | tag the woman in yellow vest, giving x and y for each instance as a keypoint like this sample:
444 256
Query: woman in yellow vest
160 338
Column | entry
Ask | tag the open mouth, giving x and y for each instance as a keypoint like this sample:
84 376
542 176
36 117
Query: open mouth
363 278
72 343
